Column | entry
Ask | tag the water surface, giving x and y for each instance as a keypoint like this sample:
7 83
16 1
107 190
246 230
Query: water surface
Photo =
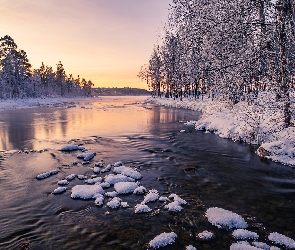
202 168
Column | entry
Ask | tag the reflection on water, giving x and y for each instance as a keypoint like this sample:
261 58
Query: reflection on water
222 173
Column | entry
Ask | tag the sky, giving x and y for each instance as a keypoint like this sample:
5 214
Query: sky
106 41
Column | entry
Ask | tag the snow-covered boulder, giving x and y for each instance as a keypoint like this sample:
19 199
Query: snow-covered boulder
281 240
86 191
59 190
163 240
86 156
125 187
113 179
142 208
243 234
225 219
46 174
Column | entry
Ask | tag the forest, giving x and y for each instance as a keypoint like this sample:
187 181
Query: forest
233 49
19 80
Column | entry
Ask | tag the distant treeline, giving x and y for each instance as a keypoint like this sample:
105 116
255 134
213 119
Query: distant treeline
19 80
119 91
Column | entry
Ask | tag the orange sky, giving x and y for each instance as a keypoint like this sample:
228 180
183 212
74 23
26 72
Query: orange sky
106 41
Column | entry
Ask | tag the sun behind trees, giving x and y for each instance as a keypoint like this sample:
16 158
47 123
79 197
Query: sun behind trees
19 80
236 48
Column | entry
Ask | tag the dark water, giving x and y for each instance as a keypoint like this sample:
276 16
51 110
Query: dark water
219 173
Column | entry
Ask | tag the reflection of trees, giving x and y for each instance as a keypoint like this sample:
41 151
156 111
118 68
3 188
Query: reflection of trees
19 130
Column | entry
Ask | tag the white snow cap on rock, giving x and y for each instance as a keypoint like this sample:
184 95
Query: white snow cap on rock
205 235
190 247
125 187
115 178
243 245
282 240
140 190
86 191
114 203
173 206
142 208
46 174
86 156
63 182
225 219
152 195
70 177
243 234
59 190
99 200
162 240
70 147
93 180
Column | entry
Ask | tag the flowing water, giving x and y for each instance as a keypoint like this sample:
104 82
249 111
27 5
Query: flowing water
203 169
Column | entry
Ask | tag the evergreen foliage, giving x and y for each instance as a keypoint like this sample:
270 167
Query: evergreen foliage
19 80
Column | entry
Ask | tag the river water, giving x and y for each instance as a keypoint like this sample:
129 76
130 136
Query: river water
203 169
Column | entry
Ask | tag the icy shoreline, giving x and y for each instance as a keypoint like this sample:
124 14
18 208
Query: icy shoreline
259 123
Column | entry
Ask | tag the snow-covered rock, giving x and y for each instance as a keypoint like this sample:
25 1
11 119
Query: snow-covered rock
113 179
70 177
70 147
140 190
46 174
205 235
59 190
142 208
243 234
114 203
63 182
281 240
86 191
152 195
162 240
173 206
125 187
225 219
86 156
93 180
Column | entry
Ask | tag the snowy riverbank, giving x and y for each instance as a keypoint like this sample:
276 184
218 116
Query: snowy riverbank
260 123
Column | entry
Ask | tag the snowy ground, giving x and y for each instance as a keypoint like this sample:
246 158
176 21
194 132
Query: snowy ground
39 102
260 123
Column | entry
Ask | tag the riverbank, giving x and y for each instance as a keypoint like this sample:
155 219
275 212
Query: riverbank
259 122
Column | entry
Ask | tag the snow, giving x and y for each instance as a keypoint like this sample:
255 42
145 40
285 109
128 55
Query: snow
86 191
86 156
164 199
243 245
173 206
243 234
152 195
81 176
125 187
190 247
107 168
131 173
205 235
105 184
59 190
114 203
71 147
162 240
113 179
96 170
111 194
99 200
124 204
142 208
261 245
93 180
70 177
46 174
225 219
63 182
282 240
260 123
140 190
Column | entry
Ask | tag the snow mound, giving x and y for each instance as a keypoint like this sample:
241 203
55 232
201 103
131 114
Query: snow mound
131 173
140 190
225 219
114 203
96 170
118 164
63 182
190 247
99 164
113 179
174 207
281 240
243 245
162 240
125 187
107 168
105 185
81 176
70 147
261 245
86 156
124 204
99 198
205 235
164 199
59 190
93 180
111 194
243 234
142 208
86 191
152 195
46 174
70 177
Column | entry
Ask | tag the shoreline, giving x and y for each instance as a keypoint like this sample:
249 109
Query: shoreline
259 123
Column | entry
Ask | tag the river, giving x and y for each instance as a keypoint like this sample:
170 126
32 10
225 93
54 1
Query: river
205 170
